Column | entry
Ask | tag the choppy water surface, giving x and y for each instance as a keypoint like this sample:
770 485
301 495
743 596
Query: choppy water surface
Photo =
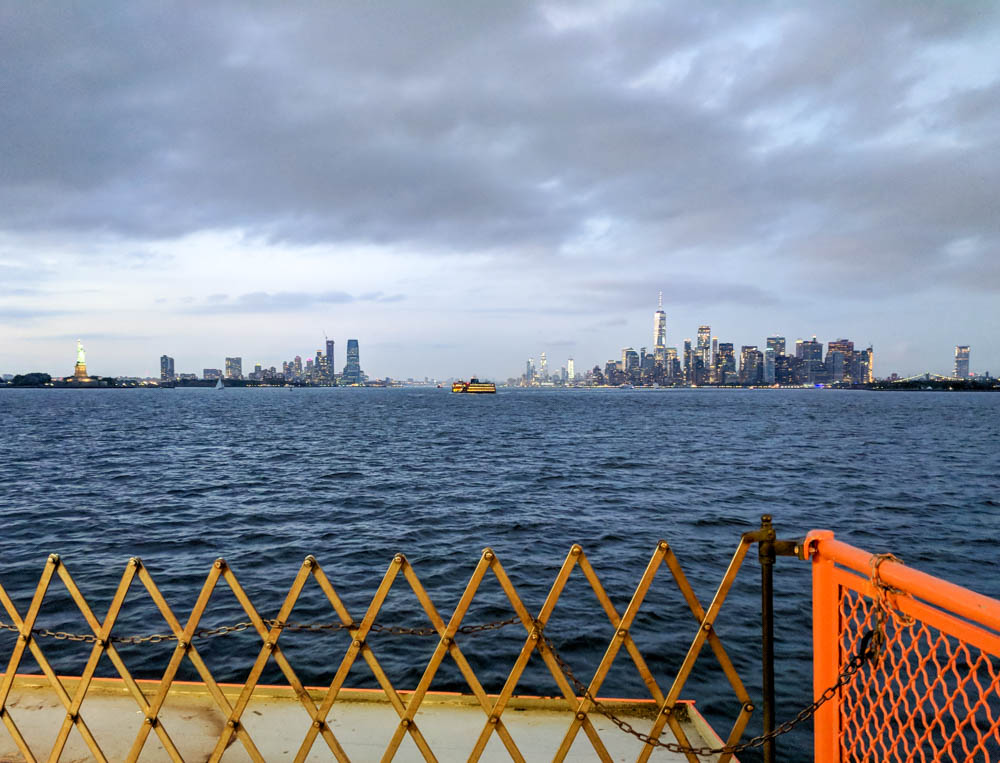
263 477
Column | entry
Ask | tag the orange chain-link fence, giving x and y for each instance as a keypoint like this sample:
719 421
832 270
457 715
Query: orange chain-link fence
186 634
932 691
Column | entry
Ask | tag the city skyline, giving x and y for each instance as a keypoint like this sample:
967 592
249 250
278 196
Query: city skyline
705 351
459 185
711 362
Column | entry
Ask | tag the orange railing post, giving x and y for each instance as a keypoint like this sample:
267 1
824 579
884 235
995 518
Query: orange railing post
826 648
931 688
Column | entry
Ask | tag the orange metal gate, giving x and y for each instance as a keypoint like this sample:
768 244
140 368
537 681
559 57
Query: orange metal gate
933 692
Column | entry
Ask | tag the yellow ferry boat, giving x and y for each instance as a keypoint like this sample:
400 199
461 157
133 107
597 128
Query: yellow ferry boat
474 386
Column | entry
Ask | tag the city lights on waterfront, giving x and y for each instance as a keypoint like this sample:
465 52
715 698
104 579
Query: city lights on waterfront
709 362
703 362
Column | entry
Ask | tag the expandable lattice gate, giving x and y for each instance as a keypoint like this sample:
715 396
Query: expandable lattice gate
579 704
906 666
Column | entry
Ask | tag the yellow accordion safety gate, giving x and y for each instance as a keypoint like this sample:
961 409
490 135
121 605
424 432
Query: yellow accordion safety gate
579 704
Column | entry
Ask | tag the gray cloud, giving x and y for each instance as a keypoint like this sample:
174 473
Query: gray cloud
734 154
317 123
683 291
282 302
102 336
27 314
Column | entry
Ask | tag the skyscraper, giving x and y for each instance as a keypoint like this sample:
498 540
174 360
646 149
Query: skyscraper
234 368
352 371
704 351
769 365
330 367
543 367
570 370
866 365
660 334
844 369
725 364
630 360
811 353
776 343
962 361
672 364
751 364
845 346
835 365
166 368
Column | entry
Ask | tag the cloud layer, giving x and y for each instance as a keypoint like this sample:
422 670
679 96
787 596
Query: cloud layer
812 165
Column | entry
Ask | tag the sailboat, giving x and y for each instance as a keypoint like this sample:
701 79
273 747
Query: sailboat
219 384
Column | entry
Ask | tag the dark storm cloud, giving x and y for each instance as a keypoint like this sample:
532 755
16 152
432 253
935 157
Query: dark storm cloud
815 135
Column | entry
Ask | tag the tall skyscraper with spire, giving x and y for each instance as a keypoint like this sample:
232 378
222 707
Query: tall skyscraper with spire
660 333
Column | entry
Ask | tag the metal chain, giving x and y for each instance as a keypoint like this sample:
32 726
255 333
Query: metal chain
223 630
885 600
866 651
869 649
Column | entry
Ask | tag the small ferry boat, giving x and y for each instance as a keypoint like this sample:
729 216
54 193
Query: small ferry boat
474 386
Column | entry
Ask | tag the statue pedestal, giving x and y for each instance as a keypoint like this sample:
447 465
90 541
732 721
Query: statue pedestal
80 371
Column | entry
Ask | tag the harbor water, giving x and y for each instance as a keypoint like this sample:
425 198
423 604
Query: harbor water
263 477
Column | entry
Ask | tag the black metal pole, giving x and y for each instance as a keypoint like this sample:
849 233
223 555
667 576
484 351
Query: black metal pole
766 555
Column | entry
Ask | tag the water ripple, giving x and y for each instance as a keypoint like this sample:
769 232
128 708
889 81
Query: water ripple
354 476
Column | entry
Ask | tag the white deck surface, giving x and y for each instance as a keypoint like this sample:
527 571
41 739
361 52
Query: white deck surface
278 723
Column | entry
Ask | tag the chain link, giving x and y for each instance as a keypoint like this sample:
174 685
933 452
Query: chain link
223 630
869 650
866 651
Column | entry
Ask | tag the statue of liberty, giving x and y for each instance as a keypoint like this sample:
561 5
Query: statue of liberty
80 371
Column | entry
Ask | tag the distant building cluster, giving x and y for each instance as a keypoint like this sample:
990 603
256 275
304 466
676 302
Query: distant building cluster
317 370
703 362
708 362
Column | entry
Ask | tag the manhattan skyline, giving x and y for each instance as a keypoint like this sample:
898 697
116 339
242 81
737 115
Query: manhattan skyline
463 186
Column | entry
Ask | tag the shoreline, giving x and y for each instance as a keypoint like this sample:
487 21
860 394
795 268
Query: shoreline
931 386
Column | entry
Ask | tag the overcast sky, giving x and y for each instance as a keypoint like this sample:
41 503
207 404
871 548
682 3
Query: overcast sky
463 185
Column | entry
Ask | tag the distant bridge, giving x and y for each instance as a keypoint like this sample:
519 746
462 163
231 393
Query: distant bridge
928 376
